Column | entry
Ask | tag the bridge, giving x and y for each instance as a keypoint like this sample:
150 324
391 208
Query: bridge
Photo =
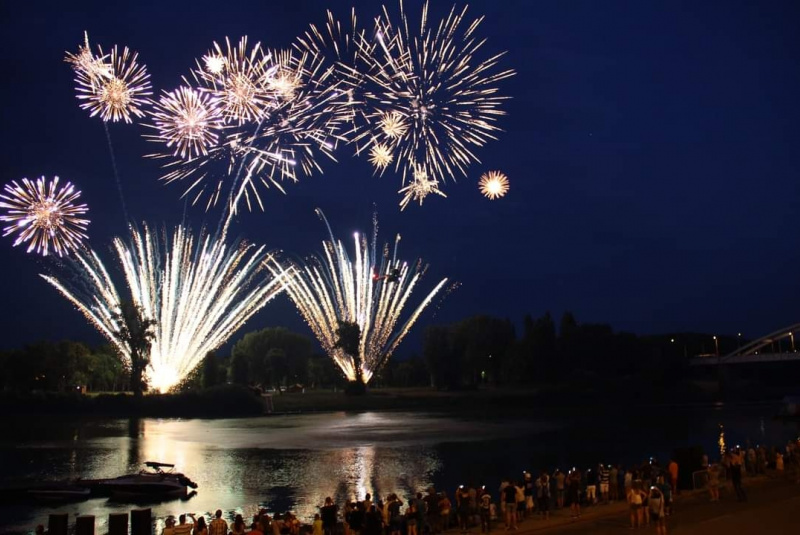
774 347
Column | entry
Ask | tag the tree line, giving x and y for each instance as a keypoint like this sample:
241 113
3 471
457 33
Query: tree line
480 350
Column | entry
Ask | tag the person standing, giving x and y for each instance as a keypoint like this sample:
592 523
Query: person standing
486 511
605 477
636 500
184 528
736 478
510 506
591 487
574 493
613 483
316 526
673 475
713 481
218 526
657 510
560 480
543 494
329 512
529 484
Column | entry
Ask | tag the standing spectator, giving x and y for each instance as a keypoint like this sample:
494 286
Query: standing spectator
373 522
779 463
357 518
574 493
529 484
543 494
445 509
411 517
713 481
486 511
613 483
218 526
395 524
316 526
591 487
628 482
238 527
673 475
329 512
200 527
736 477
184 528
520 496
605 478
419 505
169 526
510 506
560 479
636 499
432 511
657 510
462 501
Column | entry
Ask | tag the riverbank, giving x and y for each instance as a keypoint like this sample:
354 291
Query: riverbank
771 508
231 401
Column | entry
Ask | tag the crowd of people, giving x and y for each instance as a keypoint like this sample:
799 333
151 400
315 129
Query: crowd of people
649 490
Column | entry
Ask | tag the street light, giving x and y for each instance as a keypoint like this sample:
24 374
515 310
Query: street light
716 345
791 335
738 340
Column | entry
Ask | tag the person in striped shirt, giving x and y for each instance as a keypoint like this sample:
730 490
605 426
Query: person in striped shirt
218 526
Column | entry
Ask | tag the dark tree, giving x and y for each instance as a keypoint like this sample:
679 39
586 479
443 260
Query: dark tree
348 339
136 332
211 370
271 357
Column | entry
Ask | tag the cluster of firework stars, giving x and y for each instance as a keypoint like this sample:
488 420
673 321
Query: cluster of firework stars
415 100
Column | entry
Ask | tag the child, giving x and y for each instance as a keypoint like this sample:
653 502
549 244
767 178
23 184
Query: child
316 527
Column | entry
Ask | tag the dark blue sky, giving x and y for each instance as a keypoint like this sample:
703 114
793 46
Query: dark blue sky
652 149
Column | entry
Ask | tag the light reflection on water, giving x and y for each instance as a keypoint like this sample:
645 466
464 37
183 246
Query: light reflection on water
281 463
294 462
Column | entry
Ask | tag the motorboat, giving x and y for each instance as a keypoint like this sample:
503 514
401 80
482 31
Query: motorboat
158 482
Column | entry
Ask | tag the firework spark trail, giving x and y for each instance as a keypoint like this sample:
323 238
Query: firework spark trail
45 215
333 288
280 114
199 290
116 174
431 99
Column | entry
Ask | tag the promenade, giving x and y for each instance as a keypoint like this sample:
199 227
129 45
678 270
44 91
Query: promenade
773 507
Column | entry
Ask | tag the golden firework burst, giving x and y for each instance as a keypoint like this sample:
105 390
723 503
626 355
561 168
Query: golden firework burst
493 184
380 155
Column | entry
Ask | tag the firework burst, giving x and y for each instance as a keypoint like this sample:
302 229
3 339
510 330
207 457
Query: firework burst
333 289
420 187
198 290
288 117
187 120
380 155
44 214
432 97
90 70
117 90
493 184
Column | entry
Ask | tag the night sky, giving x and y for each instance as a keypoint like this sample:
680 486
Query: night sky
652 149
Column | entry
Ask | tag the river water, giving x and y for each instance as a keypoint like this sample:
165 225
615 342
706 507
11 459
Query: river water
294 462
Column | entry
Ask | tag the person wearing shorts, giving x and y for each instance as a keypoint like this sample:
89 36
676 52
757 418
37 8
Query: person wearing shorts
510 505
543 494
635 499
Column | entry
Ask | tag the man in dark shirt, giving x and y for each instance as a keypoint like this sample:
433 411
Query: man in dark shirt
328 514
432 511
510 505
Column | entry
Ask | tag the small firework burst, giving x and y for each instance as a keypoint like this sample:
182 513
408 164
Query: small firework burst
121 95
238 77
393 125
420 187
380 155
89 69
188 120
493 184
44 214
430 93
215 63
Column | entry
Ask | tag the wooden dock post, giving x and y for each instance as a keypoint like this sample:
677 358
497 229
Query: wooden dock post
58 524
141 522
84 525
118 524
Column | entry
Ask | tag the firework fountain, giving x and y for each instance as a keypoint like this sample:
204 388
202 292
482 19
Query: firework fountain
372 293
199 290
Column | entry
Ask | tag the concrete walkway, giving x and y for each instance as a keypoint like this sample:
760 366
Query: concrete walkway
773 507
